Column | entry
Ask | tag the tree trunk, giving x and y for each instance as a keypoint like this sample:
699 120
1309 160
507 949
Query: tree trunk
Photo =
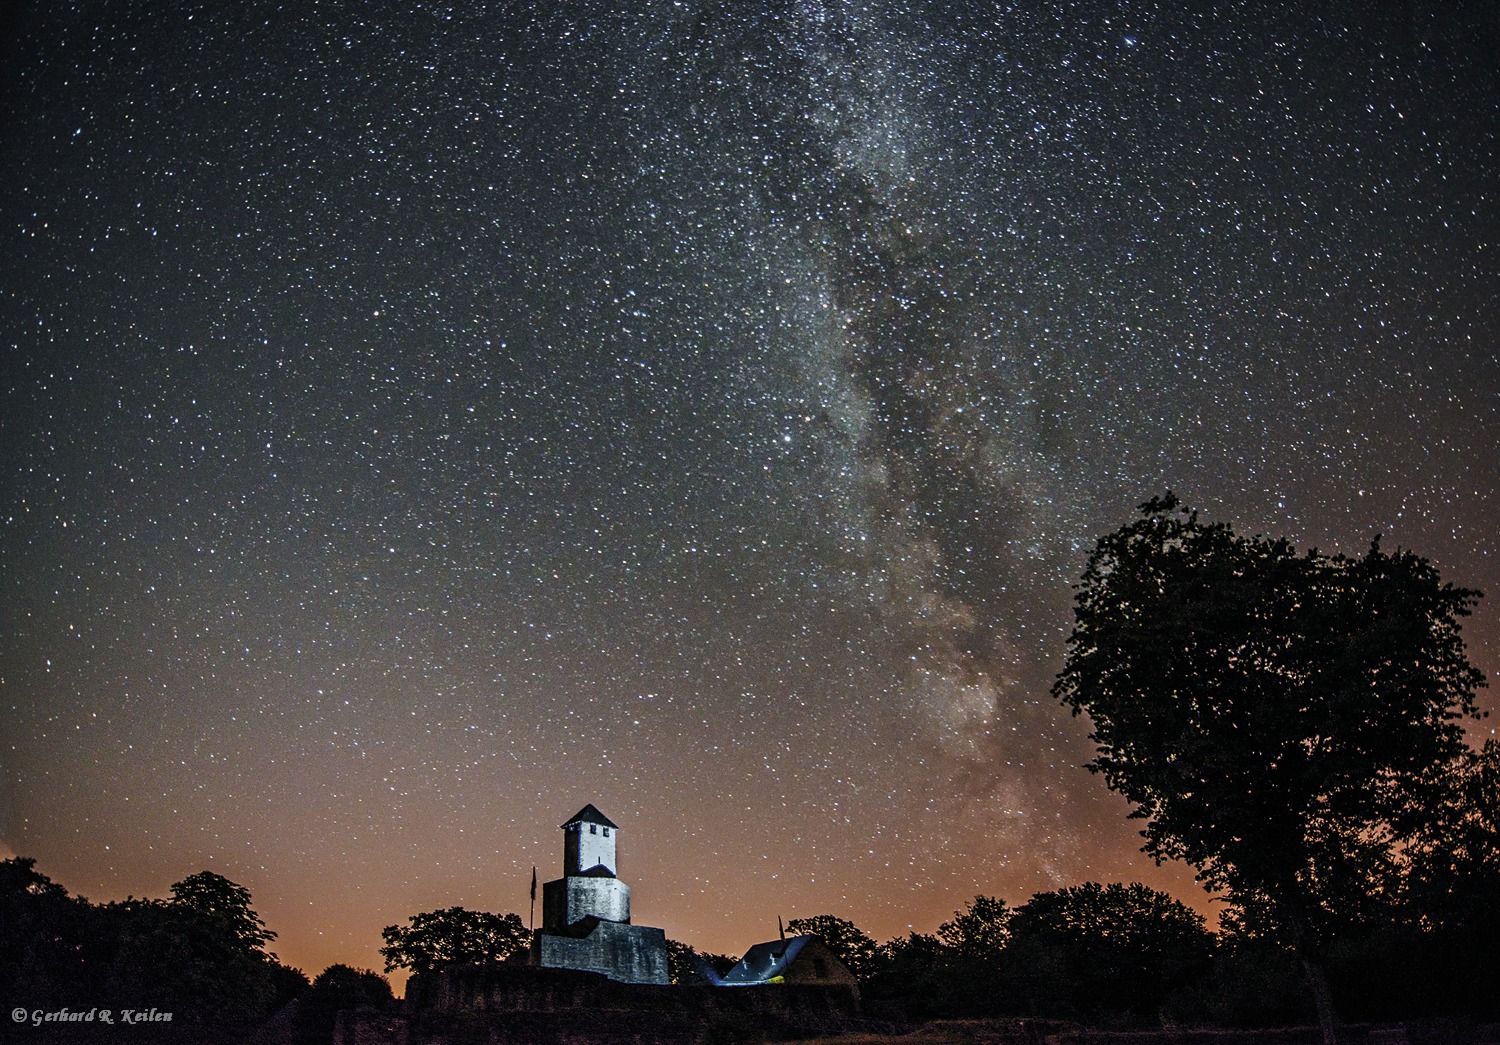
1322 997
1305 942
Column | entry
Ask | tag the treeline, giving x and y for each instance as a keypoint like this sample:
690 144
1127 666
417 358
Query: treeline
199 955
1126 955
1102 955
1130 956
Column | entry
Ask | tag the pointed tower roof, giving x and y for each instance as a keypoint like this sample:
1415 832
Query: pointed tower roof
589 815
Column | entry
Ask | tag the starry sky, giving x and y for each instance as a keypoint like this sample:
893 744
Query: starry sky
419 421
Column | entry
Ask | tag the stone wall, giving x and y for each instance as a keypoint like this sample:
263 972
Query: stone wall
627 953
569 900
522 1005
514 988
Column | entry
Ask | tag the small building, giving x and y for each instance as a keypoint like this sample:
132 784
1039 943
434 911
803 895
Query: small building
586 913
801 960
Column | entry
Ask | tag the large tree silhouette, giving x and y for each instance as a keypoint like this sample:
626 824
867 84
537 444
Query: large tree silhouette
1091 950
1269 714
453 936
225 904
845 939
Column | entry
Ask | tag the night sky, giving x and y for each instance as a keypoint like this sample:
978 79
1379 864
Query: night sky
416 423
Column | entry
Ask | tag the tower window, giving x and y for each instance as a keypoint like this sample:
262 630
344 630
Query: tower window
606 832
593 829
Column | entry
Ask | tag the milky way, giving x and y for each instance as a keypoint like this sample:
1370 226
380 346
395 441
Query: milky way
418 425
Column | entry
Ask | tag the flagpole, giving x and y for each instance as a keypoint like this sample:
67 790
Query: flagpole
533 898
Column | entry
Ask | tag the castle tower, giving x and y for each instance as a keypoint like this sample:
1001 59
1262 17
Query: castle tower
588 887
589 842
586 912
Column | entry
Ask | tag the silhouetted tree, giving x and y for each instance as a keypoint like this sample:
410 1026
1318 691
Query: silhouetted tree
1093 950
287 983
223 903
180 961
1454 852
1254 982
1267 712
981 931
199 955
1452 888
453 936
915 972
337 988
350 988
687 964
46 956
974 942
845 939
201 952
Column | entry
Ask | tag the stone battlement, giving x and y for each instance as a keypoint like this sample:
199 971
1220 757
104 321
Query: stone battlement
524 988
517 1004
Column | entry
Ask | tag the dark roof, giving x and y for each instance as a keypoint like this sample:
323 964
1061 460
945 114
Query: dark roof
765 960
597 871
589 815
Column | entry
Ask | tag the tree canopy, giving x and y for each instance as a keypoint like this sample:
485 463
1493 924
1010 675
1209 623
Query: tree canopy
42 935
687 964
200 954
1454 854
453 936
224 903
845 939
981 931
1091 948
1269 714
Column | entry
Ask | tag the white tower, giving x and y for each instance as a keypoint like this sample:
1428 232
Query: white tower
586 912
589 842
588 887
